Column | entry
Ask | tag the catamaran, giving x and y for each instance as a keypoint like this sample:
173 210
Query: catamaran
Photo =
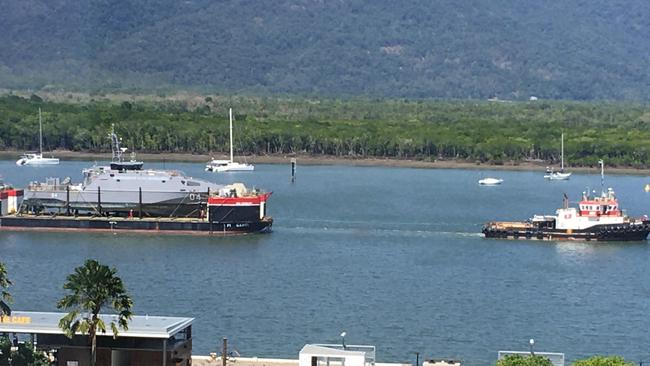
228 165
561 175
37 158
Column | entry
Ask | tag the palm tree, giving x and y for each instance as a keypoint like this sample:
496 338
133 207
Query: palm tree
5 296
92 287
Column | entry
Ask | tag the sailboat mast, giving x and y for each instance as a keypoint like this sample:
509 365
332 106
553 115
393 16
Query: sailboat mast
562 154
40 133
231 150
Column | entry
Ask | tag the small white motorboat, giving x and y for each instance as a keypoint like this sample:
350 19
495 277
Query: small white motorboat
490 181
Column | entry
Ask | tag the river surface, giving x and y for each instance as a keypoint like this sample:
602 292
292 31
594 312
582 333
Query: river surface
392 256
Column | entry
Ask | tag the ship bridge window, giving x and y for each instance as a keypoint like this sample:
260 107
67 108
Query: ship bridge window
193 184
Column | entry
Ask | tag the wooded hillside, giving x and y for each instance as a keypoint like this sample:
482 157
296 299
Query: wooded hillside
470 49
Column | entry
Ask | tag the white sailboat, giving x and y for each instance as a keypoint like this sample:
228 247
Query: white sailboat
228 165
37 158
561 175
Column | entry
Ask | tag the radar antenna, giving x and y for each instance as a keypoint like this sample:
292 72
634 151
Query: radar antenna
115 146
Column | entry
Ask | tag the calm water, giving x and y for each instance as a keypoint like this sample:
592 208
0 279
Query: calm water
392 256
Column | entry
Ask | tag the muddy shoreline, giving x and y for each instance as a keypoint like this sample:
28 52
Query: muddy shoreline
332 160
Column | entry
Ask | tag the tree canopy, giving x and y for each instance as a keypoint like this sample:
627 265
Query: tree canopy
603 361
519 360
5 296
92 288
482 132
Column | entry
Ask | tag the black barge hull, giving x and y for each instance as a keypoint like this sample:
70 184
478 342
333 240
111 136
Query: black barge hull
144 225
623 232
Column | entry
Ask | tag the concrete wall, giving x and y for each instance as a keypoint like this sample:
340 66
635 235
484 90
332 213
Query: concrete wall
255 361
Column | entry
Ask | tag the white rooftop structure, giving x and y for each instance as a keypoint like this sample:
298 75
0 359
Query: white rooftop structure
336 355
157 327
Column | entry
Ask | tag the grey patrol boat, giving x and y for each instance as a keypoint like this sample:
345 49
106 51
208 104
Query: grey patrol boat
122 188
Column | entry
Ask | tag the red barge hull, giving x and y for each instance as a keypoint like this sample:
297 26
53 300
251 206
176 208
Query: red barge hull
145 225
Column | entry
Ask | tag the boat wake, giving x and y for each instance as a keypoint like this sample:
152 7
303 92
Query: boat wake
365 228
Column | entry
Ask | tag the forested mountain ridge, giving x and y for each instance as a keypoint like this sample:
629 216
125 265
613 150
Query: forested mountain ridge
510 49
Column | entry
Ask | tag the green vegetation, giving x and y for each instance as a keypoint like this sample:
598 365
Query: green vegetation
5 296
603 361
448 49
485 132
23 355
519 360
92 287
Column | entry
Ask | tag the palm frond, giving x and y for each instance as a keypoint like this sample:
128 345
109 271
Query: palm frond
91 288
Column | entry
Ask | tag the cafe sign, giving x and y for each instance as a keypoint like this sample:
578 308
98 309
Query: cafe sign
7 319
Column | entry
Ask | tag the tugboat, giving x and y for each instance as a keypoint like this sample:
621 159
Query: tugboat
596 218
